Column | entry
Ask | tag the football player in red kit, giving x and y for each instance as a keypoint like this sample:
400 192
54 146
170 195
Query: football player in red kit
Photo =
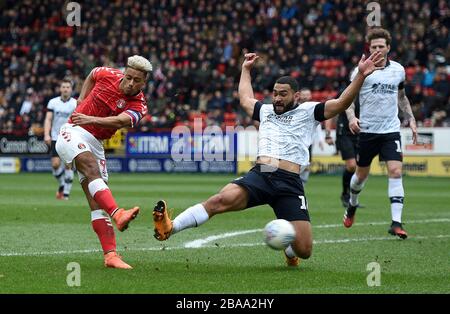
109 100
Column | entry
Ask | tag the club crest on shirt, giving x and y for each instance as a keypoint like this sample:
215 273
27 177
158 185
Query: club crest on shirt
81 146
120 103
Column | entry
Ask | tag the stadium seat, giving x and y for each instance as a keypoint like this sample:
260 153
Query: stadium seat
230 119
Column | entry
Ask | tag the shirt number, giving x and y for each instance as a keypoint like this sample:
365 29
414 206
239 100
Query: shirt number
303 201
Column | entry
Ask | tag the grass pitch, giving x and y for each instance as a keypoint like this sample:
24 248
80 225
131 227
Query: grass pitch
40 236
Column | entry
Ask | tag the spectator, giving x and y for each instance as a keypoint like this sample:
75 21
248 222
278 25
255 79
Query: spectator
196 47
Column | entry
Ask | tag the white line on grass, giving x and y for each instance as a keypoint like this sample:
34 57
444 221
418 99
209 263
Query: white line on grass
203 243
316 242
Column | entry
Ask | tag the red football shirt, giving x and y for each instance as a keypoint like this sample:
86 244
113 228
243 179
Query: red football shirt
106 100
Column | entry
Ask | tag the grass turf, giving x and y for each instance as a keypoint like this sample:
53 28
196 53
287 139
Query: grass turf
40 235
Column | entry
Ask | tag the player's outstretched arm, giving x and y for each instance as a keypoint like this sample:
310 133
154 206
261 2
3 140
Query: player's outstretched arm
116 122
366 67
246 96
88 85
405 107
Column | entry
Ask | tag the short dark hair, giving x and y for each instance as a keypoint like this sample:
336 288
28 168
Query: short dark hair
292 82
378 32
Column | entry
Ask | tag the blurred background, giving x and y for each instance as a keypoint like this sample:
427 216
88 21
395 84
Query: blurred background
196 48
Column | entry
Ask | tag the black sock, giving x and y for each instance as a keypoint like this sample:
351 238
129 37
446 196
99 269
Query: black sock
346 178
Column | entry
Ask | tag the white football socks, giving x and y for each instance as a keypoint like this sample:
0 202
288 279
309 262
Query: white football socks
289 252
194 216
396 195
355 188
68 180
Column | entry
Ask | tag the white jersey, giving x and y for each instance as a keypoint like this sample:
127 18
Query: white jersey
61 113
287 136
378 99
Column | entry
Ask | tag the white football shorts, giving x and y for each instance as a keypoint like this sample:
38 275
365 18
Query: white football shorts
74 140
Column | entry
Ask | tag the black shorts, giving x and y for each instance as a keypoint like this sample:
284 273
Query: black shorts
282 190
347 145
53 152
388 146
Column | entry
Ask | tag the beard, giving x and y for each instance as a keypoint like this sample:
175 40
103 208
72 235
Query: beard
280 109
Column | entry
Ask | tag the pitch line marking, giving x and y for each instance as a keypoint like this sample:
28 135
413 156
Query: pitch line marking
316 242
203 243
200 242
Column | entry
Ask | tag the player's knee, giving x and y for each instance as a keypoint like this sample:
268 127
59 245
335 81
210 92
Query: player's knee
395 173
303 250
55 164
351 167
90 171
361 176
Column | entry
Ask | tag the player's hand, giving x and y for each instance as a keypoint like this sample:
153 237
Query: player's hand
367 66
250 59
353 125
81 119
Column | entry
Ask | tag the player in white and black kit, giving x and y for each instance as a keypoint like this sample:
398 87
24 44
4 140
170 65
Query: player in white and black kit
378 126
59 110
285 132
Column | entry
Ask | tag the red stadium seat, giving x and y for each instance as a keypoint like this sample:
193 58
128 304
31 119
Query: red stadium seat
229 118
317 64
315 95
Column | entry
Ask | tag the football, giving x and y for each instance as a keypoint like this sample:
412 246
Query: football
278 234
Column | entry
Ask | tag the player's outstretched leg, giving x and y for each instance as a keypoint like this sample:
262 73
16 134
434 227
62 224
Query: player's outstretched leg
103 196
231 198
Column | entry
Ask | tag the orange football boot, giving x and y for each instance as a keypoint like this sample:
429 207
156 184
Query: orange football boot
292 261
123 217
114 260
162 221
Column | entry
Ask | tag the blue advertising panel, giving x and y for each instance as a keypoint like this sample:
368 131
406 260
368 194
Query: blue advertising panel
210 145
141 165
